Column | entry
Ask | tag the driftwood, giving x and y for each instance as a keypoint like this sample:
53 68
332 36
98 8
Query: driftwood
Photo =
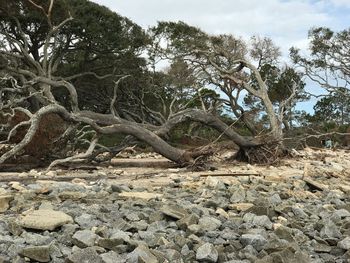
59 178
230 174
313 185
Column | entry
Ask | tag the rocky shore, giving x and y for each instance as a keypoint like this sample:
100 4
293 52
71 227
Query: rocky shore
178 216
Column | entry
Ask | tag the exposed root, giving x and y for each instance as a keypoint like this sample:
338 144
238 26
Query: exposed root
267 153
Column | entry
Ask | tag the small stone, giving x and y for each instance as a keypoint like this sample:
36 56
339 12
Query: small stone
71 195
186 221
4 202
112 257
214 183
330 230
142 254
241 206
45 219
38 253
208 223
255 240
84 238
14 228
87 255
263 221
174 211
207 253
238 195
345 243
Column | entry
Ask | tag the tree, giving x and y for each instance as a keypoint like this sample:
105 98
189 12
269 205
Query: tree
329 61
334 108
223 61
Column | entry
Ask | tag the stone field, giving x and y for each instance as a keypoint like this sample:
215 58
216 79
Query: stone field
297 211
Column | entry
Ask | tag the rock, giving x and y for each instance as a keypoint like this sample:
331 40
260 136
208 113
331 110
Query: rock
284 233
118 188
186 221
141 195
38 253
112 257
142 254
4 202
263 221
330 230
72 195
238 195
207 253
174 211
214 183
45 219
241 206
87 255
255 240
14 228
208 223
345 243
87 221
36 239
288 255
84 238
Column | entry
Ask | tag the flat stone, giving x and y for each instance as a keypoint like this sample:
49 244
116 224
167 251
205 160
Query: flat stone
207 253
38 253
174 211
87 255
45 219
84 238
241 206
4 202
141 195
71 195
208 223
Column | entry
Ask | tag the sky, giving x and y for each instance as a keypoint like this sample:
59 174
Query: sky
286 21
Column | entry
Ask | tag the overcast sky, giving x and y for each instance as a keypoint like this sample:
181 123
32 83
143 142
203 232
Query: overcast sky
286 21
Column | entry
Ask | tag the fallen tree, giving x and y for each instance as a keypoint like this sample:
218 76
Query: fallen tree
31 85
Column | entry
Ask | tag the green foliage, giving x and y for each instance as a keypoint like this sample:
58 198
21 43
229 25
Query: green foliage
334 108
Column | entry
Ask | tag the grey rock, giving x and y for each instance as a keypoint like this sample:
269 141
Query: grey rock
84 238
142 254
36 239
112 257
87 221
186 221
174 211
238 195
330 230
208 223
255 240
207 253
87 255
345 243
37 253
